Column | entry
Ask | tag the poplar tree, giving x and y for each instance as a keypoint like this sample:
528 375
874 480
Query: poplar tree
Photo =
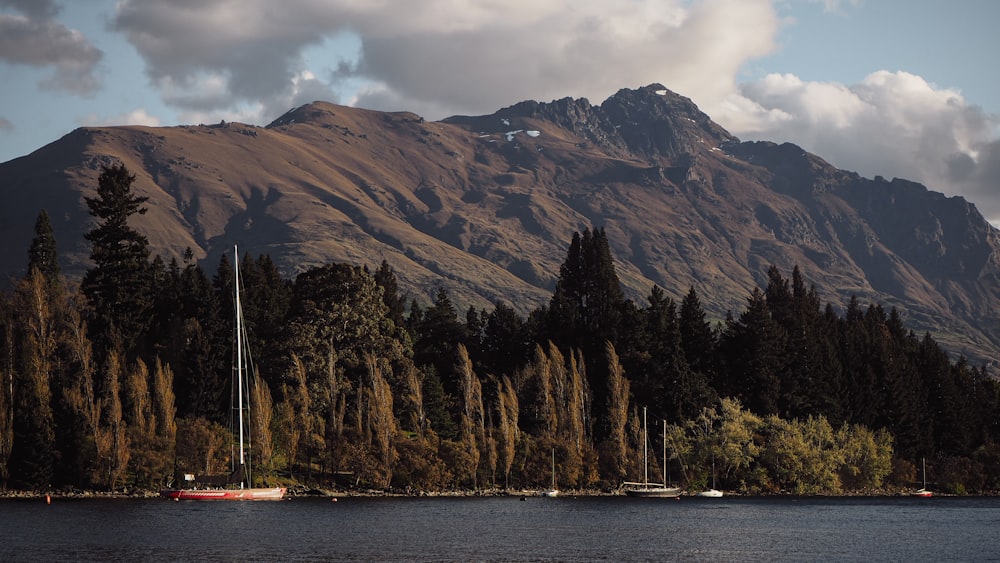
473 425
6 388
33 449
508 430
614 453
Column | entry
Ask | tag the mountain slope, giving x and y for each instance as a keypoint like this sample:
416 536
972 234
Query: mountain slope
484 206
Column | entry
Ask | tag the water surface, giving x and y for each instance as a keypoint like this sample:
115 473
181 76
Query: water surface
503 529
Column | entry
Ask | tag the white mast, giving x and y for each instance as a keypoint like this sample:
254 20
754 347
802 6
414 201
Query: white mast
239 358
664 452
645 438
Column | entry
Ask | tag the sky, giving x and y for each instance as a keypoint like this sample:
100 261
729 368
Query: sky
897 88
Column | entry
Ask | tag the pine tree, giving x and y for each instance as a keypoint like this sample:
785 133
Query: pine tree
395 302
42 253
119 286
697 338
753 351
587 310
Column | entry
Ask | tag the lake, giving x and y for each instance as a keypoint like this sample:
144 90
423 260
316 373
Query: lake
503 529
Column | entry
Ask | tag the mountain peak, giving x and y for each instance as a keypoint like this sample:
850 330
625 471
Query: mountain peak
647 123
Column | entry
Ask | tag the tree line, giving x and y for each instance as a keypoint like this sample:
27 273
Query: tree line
123 380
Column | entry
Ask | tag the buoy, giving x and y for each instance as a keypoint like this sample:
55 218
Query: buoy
334 499
48 499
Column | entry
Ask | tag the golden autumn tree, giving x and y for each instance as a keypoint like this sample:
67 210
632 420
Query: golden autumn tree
614 450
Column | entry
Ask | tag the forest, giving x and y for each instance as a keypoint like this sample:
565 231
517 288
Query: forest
122 381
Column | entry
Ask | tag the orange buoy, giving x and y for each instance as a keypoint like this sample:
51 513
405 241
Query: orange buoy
48 499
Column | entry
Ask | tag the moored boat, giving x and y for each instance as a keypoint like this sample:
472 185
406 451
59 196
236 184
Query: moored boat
552 491
239 484
923 491
645 489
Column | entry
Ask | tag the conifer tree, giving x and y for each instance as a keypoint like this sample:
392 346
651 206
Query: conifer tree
587 310
753 348
697 338
395 303
42 253
119 285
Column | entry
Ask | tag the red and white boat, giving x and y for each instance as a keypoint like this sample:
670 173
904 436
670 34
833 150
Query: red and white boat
273 493
239 482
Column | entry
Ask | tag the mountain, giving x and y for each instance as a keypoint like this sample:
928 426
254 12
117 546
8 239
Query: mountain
485 206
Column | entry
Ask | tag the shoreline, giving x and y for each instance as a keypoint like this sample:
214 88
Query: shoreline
523 493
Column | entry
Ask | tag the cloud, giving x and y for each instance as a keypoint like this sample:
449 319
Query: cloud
449 56
893 124
35 9
134 117
36 40
245 60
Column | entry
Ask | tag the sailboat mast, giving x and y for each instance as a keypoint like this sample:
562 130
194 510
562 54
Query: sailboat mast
664 452
553 469
239 353
923 462
645 465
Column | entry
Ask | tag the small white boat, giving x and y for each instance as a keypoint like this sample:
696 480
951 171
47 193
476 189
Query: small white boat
553 491
923 492
711 493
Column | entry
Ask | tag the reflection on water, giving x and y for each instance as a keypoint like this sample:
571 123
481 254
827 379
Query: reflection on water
502 528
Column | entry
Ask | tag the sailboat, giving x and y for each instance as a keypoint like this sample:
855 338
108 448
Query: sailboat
923 492
647 489
239 483
552 491
713 492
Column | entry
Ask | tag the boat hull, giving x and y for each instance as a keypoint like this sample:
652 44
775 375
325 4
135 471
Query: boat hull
923 493
272 493
711 493
654 492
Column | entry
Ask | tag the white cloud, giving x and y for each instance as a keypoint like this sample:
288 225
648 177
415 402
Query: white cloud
448 56
891 124
135 117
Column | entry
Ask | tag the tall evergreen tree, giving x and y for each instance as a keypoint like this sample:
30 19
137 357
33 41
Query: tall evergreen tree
506 342
119 286
394 301
697 337
587 311
753 348
42 253
436 340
